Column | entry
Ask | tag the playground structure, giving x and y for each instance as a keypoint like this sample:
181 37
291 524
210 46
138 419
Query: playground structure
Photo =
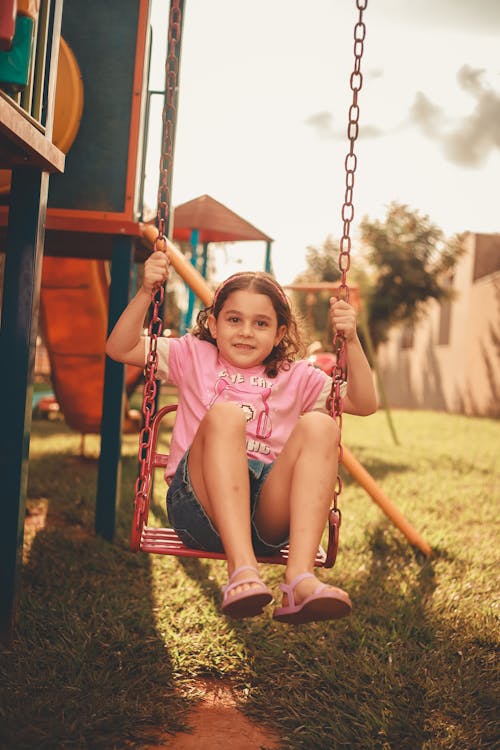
74 99
204 220
92 213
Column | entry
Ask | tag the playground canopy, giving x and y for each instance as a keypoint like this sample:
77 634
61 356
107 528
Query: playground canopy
214 222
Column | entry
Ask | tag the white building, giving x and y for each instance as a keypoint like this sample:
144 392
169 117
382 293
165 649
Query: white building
450 360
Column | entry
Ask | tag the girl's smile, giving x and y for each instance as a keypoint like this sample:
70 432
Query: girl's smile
246 330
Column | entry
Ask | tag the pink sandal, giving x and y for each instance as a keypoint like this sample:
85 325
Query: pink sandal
248 603
326 603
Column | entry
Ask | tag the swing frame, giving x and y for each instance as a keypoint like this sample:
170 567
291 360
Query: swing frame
165 540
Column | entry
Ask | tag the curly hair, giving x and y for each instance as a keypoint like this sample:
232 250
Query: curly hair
291 346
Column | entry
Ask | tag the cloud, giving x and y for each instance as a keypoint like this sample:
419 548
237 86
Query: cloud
426 115
322 124
467 142
470 141
482 16
374 73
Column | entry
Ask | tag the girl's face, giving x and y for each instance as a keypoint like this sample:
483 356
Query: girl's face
246 330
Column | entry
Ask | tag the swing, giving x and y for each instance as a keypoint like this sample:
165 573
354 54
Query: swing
165 541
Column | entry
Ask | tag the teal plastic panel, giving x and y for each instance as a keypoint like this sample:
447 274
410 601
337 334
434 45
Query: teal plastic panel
15 64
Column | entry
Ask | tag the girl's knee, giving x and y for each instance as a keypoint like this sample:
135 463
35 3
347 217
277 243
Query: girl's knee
318 426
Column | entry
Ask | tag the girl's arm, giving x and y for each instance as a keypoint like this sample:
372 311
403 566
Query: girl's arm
126 340
361 396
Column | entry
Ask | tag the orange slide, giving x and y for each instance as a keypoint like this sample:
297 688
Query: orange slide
74 321
73 324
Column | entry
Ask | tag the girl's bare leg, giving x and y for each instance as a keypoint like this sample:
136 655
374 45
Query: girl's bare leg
297 495
218 470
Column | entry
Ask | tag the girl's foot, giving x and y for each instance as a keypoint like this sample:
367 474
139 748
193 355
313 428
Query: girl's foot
246 593
307 600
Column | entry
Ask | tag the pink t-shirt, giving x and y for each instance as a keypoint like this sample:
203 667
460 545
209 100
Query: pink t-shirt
272 405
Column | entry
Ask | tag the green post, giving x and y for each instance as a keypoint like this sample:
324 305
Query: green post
268 266
204 267
373 357
109 473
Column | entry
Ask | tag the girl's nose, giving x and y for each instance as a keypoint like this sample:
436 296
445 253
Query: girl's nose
247 328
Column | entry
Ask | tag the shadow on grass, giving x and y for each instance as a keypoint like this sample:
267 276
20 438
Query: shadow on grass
397 674
380 468
96 665
88 668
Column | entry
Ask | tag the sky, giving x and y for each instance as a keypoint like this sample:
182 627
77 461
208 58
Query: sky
263 110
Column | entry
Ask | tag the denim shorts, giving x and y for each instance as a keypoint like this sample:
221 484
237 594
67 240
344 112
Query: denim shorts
189 519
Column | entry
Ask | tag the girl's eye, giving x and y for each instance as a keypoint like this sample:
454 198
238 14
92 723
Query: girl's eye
261 323
233 319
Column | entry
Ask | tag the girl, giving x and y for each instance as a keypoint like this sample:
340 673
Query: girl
253 460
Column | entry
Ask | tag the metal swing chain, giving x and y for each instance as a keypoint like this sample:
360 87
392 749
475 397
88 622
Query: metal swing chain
339 373
143 482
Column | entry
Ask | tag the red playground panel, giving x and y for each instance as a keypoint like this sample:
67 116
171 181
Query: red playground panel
8 10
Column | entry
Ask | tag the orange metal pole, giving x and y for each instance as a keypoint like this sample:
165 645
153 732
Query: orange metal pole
186 271
359 473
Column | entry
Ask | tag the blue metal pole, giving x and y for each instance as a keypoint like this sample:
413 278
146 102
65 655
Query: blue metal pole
194 260
109 473
19 326
18 332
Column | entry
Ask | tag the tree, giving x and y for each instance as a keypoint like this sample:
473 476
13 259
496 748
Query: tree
411 262
405 261
322 265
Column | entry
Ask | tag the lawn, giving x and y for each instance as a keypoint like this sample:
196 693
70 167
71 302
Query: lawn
110 644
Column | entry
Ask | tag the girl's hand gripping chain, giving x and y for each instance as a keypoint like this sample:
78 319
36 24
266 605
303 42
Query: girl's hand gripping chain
343 317
155 271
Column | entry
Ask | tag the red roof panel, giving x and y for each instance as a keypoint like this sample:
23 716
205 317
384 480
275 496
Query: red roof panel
214 222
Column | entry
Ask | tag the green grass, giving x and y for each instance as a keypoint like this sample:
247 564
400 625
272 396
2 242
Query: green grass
110 644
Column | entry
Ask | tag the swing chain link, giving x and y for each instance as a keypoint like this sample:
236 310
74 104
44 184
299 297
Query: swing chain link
169 117
339 373
143 482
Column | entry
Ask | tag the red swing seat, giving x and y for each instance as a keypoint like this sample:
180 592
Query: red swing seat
165 541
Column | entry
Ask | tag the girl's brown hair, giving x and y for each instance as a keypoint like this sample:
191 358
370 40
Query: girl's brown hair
291 345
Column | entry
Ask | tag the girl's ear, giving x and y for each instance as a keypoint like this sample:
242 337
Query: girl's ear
212 325
279 335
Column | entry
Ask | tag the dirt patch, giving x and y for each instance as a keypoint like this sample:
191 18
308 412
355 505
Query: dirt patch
217 724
